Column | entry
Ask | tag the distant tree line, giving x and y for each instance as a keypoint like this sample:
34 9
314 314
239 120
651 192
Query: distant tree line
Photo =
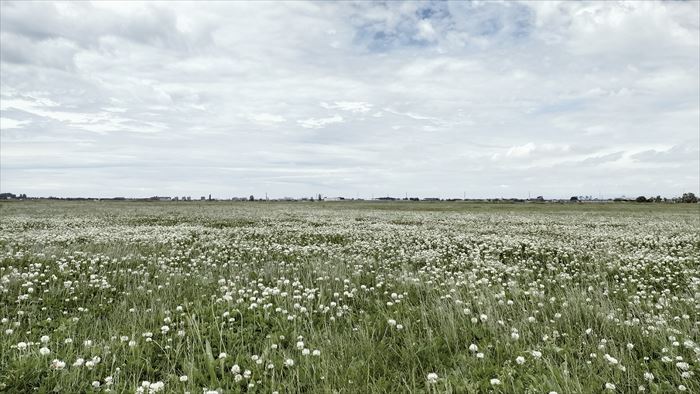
11 196
689 198
685 198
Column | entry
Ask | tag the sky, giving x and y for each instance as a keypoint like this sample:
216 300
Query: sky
427 99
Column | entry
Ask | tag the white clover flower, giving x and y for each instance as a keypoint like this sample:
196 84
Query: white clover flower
399 326
536 354
289 362
610 386
44 351
235 369
96 384
432 378
183 378
480 355
305 352
45 339
648 376
495 382
57 364
391 322
520 360
682 387
222 356
316 353
300 345
22 345
473 348
79 362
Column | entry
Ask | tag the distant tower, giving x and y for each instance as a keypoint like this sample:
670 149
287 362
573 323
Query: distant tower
210 197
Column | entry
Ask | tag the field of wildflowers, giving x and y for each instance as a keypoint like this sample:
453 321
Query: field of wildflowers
349 297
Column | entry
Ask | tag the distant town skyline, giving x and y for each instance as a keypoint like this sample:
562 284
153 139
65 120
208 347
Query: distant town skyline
355 99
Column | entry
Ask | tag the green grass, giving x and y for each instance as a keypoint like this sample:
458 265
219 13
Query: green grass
253 279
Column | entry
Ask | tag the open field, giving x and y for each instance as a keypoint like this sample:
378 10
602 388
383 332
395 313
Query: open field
349 297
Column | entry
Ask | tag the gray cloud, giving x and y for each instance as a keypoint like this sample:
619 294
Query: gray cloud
362 98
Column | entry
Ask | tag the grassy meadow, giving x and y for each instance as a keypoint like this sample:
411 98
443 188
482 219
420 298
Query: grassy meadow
349 297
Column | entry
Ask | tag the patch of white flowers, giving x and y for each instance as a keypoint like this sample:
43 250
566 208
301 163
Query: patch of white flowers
259 297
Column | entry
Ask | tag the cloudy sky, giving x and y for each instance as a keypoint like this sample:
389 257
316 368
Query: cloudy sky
355 99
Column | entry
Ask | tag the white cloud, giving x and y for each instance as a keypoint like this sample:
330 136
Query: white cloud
9 123
319 123
350 106
266 119
521 151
